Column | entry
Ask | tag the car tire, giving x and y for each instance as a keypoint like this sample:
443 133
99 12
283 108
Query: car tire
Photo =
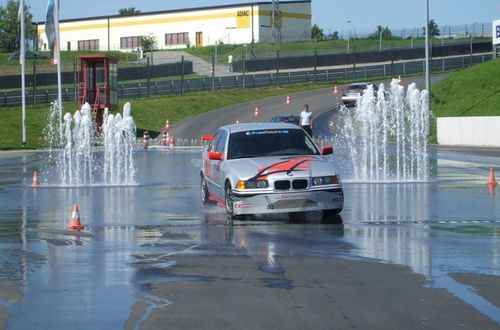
331 212
228 199
204 191
332 216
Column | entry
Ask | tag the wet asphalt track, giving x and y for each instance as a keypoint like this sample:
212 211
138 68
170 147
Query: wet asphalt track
419 255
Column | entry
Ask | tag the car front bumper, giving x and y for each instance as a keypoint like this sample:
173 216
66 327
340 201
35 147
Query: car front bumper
290 201
350 99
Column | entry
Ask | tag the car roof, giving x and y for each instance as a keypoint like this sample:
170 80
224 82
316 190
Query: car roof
235 128
361 84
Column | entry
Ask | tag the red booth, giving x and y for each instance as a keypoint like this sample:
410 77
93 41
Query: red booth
97 82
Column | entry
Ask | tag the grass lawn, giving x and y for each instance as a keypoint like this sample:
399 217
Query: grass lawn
474 91
149 113
12 67
268 49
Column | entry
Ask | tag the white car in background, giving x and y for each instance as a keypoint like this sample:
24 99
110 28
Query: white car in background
353 92
268 168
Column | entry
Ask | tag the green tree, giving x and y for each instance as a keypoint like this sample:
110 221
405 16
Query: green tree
317 33
433 29
334 35
148 43
386 33
128 11
9 26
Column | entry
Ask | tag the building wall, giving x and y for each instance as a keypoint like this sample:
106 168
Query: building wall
469 131
295 21
236 24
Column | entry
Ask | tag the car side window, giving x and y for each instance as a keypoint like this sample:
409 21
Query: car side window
213 144
221 143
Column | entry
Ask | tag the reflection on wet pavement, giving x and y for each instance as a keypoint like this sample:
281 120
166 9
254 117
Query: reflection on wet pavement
134 236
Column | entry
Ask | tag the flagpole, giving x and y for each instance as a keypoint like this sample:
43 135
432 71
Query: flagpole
57 56
22 57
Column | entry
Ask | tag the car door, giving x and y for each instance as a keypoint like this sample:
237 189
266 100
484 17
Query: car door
212 167
217 165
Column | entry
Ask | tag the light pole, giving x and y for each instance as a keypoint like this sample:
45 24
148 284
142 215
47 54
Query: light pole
348 41
442 35
342 29
380 41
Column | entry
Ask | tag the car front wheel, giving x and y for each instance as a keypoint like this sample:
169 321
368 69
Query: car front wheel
228 197
332 216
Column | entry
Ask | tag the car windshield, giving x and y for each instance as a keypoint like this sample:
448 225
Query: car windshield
357 87
272 142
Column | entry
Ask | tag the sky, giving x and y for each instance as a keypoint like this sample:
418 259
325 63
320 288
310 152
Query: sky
331 15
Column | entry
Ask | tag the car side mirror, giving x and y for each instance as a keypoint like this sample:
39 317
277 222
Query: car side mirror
327 150
214 155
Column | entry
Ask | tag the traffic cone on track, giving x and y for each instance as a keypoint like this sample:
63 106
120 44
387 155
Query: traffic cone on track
256 112
491 189
288 100
492 181
75 223
335 90
35 183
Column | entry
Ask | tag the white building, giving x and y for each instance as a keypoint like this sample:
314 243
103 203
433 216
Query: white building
203 26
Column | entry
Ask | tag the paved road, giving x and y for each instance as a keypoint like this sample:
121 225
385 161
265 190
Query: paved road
406 256
200 66
418 255
321 103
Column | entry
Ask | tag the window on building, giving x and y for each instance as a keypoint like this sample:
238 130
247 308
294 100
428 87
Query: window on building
181 38
130 42
88 44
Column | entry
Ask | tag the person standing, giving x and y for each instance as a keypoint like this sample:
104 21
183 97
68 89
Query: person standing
306 120
230 62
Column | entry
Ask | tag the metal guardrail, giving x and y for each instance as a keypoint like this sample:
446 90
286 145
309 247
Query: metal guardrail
177 87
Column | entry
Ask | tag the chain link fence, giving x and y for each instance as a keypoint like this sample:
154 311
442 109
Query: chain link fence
245 80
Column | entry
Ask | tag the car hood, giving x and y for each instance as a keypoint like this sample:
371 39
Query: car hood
282 166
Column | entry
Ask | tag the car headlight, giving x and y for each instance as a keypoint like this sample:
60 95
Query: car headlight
252 184
323 180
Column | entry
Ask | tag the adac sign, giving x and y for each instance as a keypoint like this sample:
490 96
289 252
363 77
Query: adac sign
496 32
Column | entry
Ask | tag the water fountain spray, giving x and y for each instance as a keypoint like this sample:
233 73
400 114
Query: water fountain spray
77 160
386 135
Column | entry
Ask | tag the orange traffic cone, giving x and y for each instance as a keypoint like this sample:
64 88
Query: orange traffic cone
256 112
75 223
288 100
237 121
167 124
335 90
492 181
35 183
491 189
